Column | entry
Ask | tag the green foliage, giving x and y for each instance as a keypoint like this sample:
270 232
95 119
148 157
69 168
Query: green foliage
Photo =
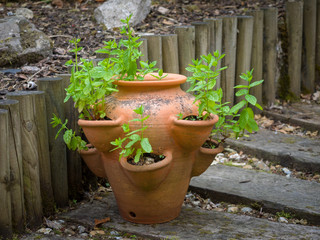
204 78
72 141
134 138
233 121
284 214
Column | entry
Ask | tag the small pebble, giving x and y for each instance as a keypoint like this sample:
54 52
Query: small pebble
115 233
81 229
246 209
44 230
247 167
262 166
233 209
235 156
282 220
69 231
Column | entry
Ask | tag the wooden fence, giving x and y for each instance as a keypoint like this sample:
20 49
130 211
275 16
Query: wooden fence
37 172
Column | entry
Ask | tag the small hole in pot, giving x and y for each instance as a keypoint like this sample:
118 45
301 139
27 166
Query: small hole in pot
132 214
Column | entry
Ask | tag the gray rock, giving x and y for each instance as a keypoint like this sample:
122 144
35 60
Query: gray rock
272 191
81 229
24 12
111 12
233 209
30 69
193 223
21 42
282 149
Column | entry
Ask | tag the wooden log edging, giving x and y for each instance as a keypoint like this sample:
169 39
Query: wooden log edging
54 105
270 54
215 40
170 54
154 48
229 47
28 104
244 49
73 157
309 39
16 168
317 77
294 21
143 48
186 50
201 38
257 53
5 203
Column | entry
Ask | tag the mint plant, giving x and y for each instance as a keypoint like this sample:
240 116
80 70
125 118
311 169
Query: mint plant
134 137
204 78
72 141
233 121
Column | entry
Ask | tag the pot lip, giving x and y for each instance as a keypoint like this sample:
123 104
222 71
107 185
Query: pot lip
100 123
91 150
180 122
210 151
145 168
171 80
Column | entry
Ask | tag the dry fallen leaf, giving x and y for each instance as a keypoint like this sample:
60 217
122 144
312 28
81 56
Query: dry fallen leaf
101 221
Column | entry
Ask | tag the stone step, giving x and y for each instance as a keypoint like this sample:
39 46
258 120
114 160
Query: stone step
301 114
292 151
273 192
193 223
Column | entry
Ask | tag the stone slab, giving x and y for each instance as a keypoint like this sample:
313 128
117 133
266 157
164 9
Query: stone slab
274 192
301 114
192 224
291 151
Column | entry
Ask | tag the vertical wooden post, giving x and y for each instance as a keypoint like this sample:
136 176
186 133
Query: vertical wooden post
270 54
73 157
186 50
154 48
244 49
144 50
294 20
318 44
5 203
28 107
309 44
16 169
257 53
215 32
201 38
229 47
170 53
54 101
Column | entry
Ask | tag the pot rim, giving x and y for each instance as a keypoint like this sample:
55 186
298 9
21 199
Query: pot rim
180 122
100 123
144 168
211 151
171 80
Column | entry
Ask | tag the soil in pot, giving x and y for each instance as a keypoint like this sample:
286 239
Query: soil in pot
147 159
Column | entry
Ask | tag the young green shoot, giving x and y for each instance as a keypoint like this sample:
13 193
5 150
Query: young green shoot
134 144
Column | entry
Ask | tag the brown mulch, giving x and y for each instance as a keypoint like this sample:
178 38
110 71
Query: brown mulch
62 21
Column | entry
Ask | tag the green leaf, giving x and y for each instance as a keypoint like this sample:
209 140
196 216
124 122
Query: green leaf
242 92
243 120
67 136
138 155
251 99
258 106
253 125
238 106
146 146
256 83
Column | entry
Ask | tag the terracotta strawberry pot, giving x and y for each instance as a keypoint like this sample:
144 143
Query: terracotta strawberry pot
154 193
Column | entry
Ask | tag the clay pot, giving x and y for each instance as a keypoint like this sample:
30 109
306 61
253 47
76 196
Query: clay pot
141 196
92 157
